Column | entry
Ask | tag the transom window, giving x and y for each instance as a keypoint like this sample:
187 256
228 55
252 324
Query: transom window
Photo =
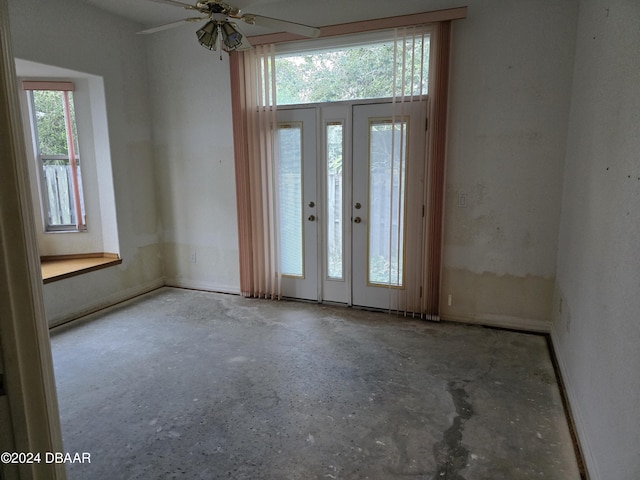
363 70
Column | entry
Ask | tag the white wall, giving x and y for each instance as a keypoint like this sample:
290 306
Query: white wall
596 328
509 102
71 35
193 149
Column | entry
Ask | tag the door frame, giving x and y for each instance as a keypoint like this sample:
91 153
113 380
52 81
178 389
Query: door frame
339 291
367 294
24 336
336 290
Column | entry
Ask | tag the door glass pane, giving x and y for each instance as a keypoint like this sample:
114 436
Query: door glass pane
334 199
387 151
290 193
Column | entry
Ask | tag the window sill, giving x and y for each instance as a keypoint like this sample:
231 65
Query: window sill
59 267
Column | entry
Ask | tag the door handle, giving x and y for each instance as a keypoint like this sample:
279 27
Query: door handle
312 218
357 220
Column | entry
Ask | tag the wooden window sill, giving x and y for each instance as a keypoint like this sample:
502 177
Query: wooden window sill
59 267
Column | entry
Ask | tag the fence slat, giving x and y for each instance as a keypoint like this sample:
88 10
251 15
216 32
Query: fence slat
59 194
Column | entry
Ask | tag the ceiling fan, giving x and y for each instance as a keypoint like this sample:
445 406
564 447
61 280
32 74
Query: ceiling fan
220 30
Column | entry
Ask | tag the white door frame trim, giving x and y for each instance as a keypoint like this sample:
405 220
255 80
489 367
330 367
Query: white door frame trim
24 335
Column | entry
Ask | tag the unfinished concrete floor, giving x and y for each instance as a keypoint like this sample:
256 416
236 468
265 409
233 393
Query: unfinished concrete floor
186 384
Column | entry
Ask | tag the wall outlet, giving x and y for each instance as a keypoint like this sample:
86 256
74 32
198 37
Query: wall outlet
463 200
193 258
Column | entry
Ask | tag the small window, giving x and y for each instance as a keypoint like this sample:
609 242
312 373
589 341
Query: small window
55 142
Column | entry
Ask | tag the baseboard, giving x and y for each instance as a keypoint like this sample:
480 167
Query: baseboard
107 302
501 321
576 417
123 296
206 286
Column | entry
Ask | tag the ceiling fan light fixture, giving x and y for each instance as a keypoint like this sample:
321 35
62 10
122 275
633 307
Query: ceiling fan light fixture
220 29
231 37
208 35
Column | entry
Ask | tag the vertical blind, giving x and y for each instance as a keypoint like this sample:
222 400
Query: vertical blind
435 169
409 86
256 193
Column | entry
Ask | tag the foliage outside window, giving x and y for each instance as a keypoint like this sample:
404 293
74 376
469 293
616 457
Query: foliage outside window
352 73
55 140
387 181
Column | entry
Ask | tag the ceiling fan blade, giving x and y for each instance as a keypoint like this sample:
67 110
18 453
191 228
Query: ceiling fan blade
176 4
167 26
281 25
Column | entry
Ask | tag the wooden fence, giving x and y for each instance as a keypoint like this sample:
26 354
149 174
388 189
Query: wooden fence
58 192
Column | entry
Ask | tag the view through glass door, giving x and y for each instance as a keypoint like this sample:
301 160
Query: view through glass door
350 202
388 158
298 209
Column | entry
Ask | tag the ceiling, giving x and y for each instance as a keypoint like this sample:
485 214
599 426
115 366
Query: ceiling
316 13
150 13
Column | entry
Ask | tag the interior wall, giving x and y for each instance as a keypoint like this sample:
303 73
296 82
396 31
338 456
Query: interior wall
193 149
596 329
511 73
89 40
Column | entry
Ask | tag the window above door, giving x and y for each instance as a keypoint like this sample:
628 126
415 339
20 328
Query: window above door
360 67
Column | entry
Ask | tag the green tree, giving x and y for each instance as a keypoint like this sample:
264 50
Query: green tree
358 72
49 114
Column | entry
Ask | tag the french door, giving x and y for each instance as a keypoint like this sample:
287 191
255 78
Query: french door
350 191
297 217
